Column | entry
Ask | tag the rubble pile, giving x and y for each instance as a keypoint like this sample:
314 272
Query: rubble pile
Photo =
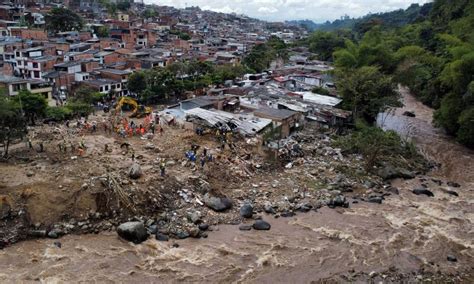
105 188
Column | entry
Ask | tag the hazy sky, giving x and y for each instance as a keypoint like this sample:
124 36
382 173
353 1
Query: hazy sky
279 10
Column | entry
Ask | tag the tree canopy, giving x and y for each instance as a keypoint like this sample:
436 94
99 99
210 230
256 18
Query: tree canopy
62 19
261 55
429 49
32 105
12 123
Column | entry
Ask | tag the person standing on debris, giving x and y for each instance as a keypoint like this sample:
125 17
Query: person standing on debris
133 154
162 167
152 127
229 139
67 123
194 147
106 148
203 160
82 144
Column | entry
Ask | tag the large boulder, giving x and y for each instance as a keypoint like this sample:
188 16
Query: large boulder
389 172
246 211
338 201
133 232
217 204
135 171
261 225
420 191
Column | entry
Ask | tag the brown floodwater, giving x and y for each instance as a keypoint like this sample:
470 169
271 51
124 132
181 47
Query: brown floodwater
407 234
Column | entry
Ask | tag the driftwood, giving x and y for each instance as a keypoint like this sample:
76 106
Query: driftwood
110 182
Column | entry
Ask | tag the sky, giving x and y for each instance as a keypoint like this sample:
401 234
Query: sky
280 10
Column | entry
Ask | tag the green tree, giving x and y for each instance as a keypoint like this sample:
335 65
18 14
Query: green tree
58 113
377 146
123 5
149 13
465 133
87 95
79 108
447 115
62 19
137 82
325 43
261 55
12 123
32 105
184 36
103 31
321 91
372 50
367 92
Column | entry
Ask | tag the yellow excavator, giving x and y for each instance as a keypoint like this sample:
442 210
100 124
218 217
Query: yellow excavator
137 110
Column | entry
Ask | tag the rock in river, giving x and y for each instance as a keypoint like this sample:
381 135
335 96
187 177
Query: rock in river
261 225
419 191
218 204
390 172
245 227
161 237
453 184
375 199
338 201
246 211
452 258
133 232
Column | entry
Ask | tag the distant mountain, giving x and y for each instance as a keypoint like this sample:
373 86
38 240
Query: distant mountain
307 24
392 19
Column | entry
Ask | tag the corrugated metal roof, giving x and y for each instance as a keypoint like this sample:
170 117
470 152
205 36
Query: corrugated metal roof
246 124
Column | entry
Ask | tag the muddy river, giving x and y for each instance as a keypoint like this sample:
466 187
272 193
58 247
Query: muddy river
407 236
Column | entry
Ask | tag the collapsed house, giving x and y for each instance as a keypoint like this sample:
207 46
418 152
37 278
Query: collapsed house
244 124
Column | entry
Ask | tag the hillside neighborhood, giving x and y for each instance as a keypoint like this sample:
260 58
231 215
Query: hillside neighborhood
156 143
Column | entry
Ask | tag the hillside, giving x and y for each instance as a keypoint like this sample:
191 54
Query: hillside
431 53
398 18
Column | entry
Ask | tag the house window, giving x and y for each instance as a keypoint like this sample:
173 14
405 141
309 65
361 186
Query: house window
107 87
18 54
101 89
113 87
35 65
36 74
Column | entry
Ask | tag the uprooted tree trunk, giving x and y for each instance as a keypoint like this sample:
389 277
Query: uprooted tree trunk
113 186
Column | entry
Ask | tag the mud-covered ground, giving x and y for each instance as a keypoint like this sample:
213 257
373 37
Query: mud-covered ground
62 192
406 237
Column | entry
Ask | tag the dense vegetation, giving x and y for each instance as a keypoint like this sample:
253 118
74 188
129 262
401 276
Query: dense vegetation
433 55
393 19
62 20
12 123
168 84
261 55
